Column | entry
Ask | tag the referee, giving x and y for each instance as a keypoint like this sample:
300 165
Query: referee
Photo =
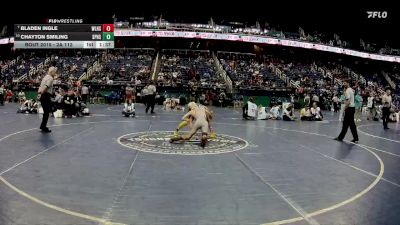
349 111
45 93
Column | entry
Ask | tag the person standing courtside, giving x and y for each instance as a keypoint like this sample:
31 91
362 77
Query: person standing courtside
151 97
85 93
387 104
2 90
349 110
45 92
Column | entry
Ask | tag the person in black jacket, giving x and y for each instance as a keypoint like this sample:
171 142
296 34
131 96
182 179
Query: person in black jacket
69 104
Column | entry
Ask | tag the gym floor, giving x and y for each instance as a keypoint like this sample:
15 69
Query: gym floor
108 169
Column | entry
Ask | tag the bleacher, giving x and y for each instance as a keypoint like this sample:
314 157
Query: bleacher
246 72
122 65
181 67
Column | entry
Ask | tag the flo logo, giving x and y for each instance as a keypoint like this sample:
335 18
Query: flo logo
158 142
377 14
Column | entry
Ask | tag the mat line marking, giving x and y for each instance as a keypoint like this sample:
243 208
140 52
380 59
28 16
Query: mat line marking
108 213
301 131
291 203
340 204
81 215
349 165
380 150
44 151
374 136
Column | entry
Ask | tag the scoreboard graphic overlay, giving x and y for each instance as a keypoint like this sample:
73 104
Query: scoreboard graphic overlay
64 36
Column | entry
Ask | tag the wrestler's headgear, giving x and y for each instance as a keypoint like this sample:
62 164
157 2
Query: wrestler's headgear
192 105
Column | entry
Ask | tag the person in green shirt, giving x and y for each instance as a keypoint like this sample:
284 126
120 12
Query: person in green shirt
358 106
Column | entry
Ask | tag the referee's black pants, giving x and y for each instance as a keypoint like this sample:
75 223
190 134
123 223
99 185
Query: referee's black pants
45 100
1 99
150 102
348 121
385 116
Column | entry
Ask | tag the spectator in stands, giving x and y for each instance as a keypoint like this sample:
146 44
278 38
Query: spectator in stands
2 91
288 114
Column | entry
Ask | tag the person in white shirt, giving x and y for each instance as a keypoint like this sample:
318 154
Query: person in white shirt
335 101
21 97
316 112
386 105
45 92
85 93
151 97
307 100
275 114
349 111
370 106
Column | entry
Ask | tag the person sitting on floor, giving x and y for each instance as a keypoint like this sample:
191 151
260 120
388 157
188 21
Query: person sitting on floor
305 114
288 114
275 112
316 112
69 104
245 109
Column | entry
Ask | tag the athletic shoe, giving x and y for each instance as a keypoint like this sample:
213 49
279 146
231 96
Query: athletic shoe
337 139
354 141
45 130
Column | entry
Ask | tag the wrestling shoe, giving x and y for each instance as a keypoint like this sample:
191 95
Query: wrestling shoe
203 142
213 135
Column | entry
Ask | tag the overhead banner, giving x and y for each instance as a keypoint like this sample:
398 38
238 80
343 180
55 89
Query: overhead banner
252 39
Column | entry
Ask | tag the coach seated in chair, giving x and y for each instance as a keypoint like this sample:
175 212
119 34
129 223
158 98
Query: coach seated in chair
288 114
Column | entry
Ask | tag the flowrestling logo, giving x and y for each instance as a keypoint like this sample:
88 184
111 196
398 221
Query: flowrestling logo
158 142
377 14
